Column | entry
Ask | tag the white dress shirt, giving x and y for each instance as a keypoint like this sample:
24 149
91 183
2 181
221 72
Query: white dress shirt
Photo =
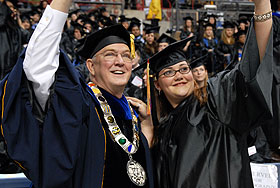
42 55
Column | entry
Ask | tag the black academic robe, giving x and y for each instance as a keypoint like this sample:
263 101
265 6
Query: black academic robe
12 39
205 146
271 127
66 146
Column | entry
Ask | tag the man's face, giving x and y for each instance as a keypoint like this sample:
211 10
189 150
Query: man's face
135 31
112 68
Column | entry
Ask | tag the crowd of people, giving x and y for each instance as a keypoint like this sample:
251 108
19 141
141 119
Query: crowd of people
144 109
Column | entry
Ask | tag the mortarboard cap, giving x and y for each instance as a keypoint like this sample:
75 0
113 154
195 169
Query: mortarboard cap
122 19
73 12
228 24
188 18
106 21
165 38
242 21
199 61
169 56
146 26
208 25
25 16
154 29
211 16
102 9
241 32
104 37
134 22
161 60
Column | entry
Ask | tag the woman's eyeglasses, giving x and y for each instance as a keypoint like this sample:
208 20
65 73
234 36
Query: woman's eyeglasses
171 72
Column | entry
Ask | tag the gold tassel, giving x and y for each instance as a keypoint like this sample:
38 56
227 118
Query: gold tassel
148 89
132 46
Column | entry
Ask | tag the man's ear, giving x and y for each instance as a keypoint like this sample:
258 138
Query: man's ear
90 66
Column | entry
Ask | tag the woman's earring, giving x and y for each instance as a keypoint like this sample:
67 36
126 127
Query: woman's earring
159 92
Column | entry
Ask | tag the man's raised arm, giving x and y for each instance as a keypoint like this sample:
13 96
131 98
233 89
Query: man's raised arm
61 5
42 55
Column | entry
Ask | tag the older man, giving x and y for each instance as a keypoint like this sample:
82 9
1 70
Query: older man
63 132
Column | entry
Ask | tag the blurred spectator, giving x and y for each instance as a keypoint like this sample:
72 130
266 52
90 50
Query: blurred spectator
188 27
151 45
226 46
209 43
134 28
12 38
124 21
35 17
155 12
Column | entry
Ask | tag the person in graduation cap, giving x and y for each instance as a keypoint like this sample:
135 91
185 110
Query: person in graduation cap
134 28
164 40
63 132
188 28
209 45
199 71
201 138
241 38
151 45
124 21
226 47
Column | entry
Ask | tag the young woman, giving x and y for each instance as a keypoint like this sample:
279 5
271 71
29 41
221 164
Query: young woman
226 47
201 139
209 43
199 71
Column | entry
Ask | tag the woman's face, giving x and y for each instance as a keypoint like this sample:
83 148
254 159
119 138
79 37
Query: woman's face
212 20
26 24
177 87
150 38
188 23
199 73
209 31
229 32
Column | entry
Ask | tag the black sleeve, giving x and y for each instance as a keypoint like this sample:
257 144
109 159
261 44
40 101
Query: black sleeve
241 97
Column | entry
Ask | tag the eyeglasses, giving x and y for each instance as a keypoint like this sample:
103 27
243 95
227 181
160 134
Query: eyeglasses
112 55
171 72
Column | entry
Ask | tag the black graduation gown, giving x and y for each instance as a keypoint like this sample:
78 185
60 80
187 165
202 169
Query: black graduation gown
205 146
12 38
68 147
271 127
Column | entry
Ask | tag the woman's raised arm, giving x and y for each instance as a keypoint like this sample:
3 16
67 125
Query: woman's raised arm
263 24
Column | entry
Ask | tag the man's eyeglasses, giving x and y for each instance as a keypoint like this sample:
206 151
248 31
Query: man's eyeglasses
171 72
112 55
